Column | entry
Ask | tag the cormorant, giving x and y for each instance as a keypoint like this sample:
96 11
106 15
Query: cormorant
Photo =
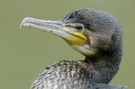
93 33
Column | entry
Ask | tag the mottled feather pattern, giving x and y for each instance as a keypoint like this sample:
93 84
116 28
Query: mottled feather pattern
64 75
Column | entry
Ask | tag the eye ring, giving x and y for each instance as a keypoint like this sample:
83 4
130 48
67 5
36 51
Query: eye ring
79 27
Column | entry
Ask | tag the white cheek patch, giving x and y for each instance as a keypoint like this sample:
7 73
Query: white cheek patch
85 49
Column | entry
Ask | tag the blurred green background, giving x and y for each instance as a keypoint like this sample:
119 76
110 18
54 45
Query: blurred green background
25 52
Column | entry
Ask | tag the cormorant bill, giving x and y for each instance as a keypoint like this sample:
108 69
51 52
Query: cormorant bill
93 33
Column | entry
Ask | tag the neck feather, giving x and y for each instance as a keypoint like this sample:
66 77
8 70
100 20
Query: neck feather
105 64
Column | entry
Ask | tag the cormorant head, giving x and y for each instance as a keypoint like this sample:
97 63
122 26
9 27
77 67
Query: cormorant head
86 30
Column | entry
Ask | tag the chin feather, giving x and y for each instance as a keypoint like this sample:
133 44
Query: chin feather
84 49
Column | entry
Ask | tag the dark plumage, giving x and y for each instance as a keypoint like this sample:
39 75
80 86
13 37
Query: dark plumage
99 66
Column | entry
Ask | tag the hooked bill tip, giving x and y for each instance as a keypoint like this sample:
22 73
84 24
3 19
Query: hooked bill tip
25 22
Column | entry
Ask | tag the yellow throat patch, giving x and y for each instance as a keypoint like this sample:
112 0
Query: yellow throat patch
76 38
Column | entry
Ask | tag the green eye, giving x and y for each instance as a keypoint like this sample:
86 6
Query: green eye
79 26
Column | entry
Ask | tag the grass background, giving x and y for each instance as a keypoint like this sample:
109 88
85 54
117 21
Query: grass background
25 52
